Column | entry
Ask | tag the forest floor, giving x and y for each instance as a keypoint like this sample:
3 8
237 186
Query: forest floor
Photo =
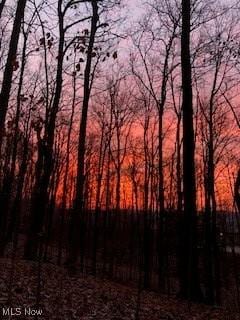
61 297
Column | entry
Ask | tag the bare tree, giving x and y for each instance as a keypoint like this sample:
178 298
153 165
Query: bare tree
10 66
79 200
189 275
40 195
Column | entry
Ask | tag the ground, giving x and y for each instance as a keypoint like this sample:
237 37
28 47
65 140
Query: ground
62 297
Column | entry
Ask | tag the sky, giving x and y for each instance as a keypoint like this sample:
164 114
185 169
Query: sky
135 8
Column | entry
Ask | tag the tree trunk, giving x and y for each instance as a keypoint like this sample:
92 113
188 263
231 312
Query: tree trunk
146 231
189 277
10 65
5 197
77 215
97 204
40 197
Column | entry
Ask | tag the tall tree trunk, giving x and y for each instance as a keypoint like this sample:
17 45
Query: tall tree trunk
10 65
211 249
5 197
189 277
40 197
101 160
77 215
161 217
146 231
178 168
162 252
118 168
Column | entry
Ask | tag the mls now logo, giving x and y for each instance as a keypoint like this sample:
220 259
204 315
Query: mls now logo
11 311
19 311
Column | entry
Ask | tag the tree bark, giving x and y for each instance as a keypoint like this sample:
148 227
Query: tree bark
77 215
5 198
189 277
10 64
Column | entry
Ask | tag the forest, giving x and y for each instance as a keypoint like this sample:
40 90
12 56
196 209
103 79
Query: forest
119 159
